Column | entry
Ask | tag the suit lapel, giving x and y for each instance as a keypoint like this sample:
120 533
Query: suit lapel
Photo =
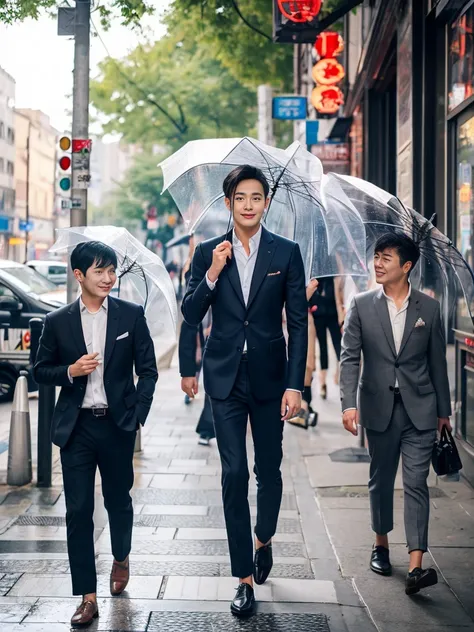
234 278
264 259
75 324
384 316
412 316
113 313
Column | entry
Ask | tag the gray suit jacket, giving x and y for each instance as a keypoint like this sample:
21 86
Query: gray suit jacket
420 366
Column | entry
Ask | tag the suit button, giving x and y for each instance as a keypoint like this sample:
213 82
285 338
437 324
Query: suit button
78 405
396 365
239 349
246 324
391 388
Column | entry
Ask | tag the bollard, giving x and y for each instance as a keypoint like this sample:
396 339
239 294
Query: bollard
138 441
46 403
19 445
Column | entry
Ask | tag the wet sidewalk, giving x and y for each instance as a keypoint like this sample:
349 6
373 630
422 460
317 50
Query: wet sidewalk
180 573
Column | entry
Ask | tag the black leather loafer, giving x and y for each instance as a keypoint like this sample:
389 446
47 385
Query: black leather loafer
380 561
243 604
263 563
418 579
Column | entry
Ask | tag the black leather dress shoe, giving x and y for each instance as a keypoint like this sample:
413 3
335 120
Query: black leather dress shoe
380 561
263 563
243 604
418 579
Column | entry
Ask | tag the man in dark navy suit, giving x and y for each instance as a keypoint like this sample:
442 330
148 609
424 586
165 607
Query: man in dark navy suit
90 349
247 278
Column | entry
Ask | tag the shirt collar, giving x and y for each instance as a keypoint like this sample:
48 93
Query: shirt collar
254 241
104 306
388 298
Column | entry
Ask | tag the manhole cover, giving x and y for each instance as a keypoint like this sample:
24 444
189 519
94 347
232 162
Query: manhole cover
222 622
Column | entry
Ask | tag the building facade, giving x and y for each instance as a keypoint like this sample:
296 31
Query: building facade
36 197
7 161
411 99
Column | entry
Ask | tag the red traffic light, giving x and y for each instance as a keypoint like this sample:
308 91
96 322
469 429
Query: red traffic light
65 163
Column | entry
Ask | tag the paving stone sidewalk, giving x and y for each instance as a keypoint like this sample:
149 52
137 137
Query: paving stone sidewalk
179 564
180 573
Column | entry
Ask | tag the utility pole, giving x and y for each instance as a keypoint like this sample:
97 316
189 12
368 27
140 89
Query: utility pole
80 117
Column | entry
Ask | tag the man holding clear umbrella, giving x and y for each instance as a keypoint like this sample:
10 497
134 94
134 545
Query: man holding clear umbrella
402 397
90 349
248 277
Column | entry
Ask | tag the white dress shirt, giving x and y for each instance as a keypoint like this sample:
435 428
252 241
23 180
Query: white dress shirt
94 328
398 318
245 264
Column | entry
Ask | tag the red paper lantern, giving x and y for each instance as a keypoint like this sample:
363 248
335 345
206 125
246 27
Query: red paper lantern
329 44
300 10
327 99
328 72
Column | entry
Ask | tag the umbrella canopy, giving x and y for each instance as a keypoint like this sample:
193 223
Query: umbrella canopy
441 271
195 173
142 277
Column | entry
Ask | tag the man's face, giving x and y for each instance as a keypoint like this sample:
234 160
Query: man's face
249 204
98 282
388 268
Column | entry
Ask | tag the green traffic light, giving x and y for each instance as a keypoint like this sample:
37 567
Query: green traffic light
65 184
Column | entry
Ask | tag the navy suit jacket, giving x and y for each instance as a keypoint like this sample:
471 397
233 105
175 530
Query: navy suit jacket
278 282
62 343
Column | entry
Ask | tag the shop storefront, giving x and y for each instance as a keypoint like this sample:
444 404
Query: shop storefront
460 107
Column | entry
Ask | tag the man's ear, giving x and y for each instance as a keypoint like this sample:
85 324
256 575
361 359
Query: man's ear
79 276
407 267
227 203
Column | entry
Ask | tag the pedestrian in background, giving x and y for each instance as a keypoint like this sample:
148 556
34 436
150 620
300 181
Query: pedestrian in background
403 397
327 307
90 349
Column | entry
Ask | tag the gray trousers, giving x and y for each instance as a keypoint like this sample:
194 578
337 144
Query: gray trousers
415 447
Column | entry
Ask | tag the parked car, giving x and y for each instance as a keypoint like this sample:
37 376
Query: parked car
24 294
55 271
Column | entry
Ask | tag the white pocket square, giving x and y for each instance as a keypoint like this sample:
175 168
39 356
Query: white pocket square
122 336
274 273
420 323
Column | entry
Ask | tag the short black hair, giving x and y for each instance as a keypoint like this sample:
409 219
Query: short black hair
88 253
244 172
405 246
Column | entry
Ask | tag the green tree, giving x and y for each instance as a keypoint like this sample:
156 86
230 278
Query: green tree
250 57
141 189
171 92
128 11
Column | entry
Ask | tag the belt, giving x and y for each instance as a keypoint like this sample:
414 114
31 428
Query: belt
97 412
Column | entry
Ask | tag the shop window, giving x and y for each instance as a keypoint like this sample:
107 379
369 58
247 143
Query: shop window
465 205
461 60
2 130
10 168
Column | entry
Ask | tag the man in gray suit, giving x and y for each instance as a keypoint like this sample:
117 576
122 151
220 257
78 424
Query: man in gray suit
403 396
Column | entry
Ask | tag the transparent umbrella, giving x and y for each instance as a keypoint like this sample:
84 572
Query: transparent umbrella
441 272
330 244
142 277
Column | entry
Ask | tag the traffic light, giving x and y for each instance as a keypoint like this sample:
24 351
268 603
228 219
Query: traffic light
65 164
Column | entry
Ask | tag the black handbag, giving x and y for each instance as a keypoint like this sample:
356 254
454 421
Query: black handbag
445 458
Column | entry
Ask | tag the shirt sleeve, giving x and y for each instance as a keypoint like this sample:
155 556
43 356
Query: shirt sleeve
210 284
71 379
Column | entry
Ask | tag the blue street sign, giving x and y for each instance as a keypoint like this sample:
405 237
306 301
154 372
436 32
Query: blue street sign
26 226
289 108
312 129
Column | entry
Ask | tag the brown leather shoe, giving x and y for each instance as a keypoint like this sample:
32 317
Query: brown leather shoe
119 577
85 614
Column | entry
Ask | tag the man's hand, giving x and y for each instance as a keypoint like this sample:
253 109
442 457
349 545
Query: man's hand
311 288
290 404
84 366
189 385
350 419
219 259
444 421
